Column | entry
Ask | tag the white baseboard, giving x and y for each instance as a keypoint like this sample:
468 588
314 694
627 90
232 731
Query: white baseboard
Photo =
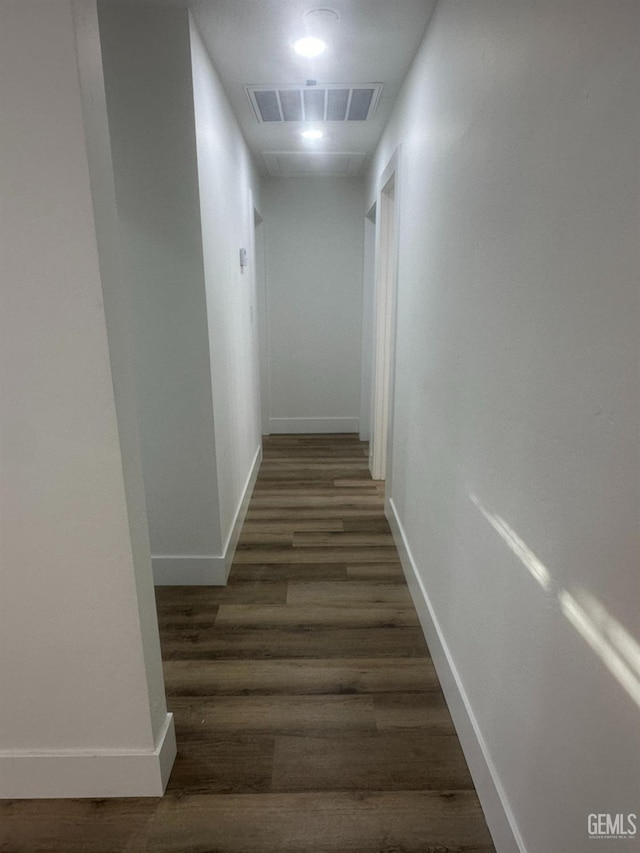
495 805
284 426
241 512
207 570
84 773
189 570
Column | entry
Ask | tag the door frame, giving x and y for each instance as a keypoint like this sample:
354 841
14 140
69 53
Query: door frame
368 316
386 280
260 282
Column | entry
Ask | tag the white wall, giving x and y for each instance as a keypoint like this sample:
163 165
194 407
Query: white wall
186 188
82 710
147 62
516 431
314 252
229 190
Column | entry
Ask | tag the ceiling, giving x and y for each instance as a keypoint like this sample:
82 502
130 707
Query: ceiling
250 43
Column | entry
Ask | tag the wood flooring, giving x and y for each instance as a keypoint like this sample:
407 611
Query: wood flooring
308 713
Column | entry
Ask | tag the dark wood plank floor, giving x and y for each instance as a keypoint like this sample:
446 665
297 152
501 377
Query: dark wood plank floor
308 713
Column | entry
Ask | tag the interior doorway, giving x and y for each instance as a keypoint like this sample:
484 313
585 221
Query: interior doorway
263 326
368 315
386 260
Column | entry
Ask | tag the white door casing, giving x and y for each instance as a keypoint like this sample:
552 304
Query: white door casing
384 323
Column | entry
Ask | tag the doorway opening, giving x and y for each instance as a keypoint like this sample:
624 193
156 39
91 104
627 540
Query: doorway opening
263 327
368 314
386 260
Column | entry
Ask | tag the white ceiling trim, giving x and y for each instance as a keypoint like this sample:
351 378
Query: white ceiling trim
296 164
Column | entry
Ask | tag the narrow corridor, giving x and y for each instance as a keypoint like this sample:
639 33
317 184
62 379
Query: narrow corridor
308 713
209 236
306 683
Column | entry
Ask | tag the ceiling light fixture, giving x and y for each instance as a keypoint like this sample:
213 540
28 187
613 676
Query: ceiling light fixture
309 47
312 134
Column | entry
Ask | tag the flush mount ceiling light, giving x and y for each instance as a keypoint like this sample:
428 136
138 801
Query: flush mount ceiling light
309 47
312 134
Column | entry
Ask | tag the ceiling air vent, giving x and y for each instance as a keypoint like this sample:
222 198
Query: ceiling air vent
335 102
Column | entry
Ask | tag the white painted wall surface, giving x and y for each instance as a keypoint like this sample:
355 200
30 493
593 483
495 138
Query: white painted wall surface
118 305
314 250
229 190
82 709
147 61
515 459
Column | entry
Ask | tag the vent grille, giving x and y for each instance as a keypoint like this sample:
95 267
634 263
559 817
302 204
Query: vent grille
335 102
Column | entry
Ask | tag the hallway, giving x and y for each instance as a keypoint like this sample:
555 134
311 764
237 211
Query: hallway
308 713
225 220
